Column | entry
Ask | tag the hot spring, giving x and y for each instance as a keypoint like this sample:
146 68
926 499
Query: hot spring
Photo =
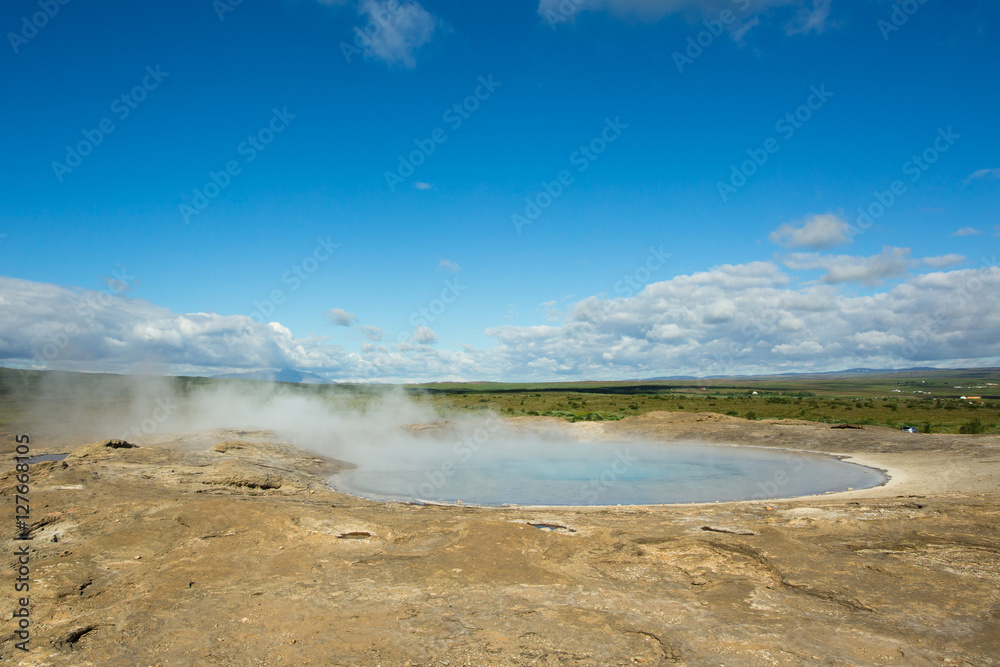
604 473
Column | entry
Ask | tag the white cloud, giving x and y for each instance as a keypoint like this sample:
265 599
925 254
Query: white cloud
645 10
420 185
803 348
371 332
707 326
814 19
943 261
729 319
57 327
424 336
890 263
873 340
449 265
340 317
966 231
810 19
739 32
403 27
820 232
984 173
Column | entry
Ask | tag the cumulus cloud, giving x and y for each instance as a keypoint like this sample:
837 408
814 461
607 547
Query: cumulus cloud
820 232
449 265
51 326
402 28
424 336
966 231
943 261
890 263
372 333
340 317
694 325
747 318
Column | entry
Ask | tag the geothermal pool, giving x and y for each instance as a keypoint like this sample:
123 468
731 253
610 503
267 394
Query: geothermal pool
606 473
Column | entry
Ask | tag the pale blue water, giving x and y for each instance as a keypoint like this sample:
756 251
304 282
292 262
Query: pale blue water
608 473
46 457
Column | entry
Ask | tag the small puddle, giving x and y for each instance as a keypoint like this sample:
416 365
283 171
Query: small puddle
551 527
41 458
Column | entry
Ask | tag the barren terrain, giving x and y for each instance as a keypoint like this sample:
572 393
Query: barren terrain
229 548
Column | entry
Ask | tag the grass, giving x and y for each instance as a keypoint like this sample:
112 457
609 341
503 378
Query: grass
883 399
939 415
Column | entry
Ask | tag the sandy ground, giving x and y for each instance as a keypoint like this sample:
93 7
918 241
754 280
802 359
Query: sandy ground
227 548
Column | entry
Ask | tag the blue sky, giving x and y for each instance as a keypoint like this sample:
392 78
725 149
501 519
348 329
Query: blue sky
713 154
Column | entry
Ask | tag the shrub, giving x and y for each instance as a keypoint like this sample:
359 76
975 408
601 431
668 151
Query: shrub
751 415
971 427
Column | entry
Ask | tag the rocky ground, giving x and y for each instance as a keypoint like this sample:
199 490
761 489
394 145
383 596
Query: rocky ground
228 548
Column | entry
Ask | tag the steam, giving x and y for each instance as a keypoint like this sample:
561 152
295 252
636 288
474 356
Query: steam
372 426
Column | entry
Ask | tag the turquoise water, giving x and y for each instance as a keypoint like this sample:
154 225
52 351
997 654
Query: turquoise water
607 473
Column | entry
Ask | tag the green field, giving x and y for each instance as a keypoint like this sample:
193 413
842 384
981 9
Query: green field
930 400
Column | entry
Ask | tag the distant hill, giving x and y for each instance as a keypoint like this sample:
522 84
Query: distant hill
849 371
284 375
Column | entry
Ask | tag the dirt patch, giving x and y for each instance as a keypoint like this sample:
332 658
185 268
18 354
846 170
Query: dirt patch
226 548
